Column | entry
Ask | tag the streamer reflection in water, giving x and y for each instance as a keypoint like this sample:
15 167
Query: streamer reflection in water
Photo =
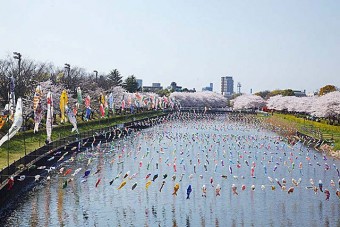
216 143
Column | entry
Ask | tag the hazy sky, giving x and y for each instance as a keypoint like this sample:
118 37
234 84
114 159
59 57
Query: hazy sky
262 44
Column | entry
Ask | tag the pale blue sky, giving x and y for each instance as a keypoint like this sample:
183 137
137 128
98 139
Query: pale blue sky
262 44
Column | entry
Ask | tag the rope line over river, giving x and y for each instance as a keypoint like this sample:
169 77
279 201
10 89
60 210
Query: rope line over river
193 169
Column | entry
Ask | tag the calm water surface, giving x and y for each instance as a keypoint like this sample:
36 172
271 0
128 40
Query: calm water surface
214 143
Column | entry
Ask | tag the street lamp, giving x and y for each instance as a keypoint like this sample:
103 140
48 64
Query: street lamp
68 67
24 129
18 57
96 72
11 97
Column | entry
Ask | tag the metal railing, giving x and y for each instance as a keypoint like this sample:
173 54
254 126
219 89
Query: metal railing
32 157
202 109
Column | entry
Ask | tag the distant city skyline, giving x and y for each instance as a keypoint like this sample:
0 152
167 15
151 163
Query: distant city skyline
264 45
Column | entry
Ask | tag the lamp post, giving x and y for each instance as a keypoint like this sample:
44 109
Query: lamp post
68 67
96 72
11 95
18 57
24 129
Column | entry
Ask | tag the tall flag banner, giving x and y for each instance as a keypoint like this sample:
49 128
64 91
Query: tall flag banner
123 105
111 103
101 104
79 101
132 109
3 120
137 103
88 107
156 103
106 106
101 99
63 103
138 100
49 116
11 96
101 109
165 101
37 108
17 123
129 101
160 103
72 118
79 97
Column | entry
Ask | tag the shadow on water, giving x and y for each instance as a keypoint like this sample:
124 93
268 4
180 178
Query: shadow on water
187 221
60 207
47 210
34 213
173 211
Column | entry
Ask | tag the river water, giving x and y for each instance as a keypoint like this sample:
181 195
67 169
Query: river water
202 150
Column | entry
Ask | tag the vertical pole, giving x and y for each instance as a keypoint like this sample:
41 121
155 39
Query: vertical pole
8 149
8 128
69 78
51 114
24 135
64 120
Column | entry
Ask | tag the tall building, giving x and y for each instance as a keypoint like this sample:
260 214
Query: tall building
227 85
300 93
155 87
140 83
210 88
156 84
174 87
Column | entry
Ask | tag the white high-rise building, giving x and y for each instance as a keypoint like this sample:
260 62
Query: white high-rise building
227 85
140 83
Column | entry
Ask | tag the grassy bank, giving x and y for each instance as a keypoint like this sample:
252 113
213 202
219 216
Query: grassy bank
16 147
311 128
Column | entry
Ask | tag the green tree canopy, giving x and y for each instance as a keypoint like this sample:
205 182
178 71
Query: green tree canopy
263 94
286 92
163 92
103 82
275 92
327 89
114 78
130 84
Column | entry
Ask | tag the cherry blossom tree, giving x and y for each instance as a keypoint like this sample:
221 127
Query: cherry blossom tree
320 106
200 99
246 101
327 105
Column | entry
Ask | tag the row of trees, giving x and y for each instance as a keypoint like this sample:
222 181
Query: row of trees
289 92
320 106
267 94
200 99
33 72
